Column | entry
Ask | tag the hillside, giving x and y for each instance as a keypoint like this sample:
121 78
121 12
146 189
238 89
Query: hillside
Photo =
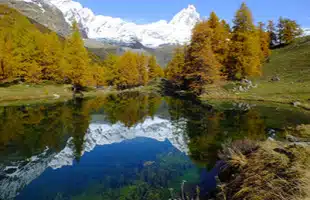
102 49
41 12
291 64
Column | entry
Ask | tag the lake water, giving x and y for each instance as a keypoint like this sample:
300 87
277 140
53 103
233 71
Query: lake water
127 146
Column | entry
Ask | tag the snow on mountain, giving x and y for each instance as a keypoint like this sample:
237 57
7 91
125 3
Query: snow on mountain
306 31
177 31
16 175
103 134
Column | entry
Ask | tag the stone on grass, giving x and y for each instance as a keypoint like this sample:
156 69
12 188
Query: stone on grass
296 103
275 79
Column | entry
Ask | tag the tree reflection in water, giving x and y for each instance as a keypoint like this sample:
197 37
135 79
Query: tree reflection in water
27 130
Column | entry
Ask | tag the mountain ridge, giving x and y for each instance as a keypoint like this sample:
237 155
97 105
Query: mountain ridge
108 29
42 12
176 31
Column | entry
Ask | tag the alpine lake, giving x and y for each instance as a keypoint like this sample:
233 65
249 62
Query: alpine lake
127 146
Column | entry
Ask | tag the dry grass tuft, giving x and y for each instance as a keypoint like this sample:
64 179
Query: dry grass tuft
265 171
301 132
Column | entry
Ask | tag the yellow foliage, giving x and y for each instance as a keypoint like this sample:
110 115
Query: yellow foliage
142 69
50 56
175 67
98 75
264 38
111 71
202 67
76 59
6 61
288 30
154 70
219 38
128 71
244 54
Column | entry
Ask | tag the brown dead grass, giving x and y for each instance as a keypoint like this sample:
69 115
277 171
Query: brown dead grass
266 171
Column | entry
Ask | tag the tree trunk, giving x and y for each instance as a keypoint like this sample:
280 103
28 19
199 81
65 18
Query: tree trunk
2 69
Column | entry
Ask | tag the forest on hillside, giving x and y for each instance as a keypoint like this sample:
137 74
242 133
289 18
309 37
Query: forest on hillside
219 52
216 52
29 55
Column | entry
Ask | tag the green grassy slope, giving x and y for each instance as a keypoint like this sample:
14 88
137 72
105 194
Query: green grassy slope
291 64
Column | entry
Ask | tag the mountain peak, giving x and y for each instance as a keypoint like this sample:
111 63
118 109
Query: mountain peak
191 7
186 17
177 31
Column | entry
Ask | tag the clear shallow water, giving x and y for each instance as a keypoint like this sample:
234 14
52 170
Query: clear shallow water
128 146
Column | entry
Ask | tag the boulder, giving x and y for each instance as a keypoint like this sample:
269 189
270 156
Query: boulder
56 96
275 79
241 89
296 103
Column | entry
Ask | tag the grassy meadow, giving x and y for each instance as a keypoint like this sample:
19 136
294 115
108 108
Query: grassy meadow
291 64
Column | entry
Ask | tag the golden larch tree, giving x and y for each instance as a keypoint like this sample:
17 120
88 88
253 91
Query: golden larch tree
154 70
219 38
25 51
288 30
175 68
142 69
50 56
6 57
98 72
202 67
76 59
244 55
111 70
128 71
264 38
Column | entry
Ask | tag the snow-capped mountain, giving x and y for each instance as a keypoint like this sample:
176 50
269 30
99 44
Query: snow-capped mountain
177 31
306 31
15 175
102 134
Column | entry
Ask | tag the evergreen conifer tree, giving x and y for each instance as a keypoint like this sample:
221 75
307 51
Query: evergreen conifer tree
272 33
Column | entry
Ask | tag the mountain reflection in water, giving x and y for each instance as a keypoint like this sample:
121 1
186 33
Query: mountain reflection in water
97 148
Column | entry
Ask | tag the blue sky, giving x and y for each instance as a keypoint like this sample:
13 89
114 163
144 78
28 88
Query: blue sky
145 11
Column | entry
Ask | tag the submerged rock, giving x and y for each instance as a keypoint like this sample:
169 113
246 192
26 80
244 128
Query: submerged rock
148 163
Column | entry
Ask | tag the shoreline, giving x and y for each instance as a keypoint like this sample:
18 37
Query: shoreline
302 105
31 94
28 94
